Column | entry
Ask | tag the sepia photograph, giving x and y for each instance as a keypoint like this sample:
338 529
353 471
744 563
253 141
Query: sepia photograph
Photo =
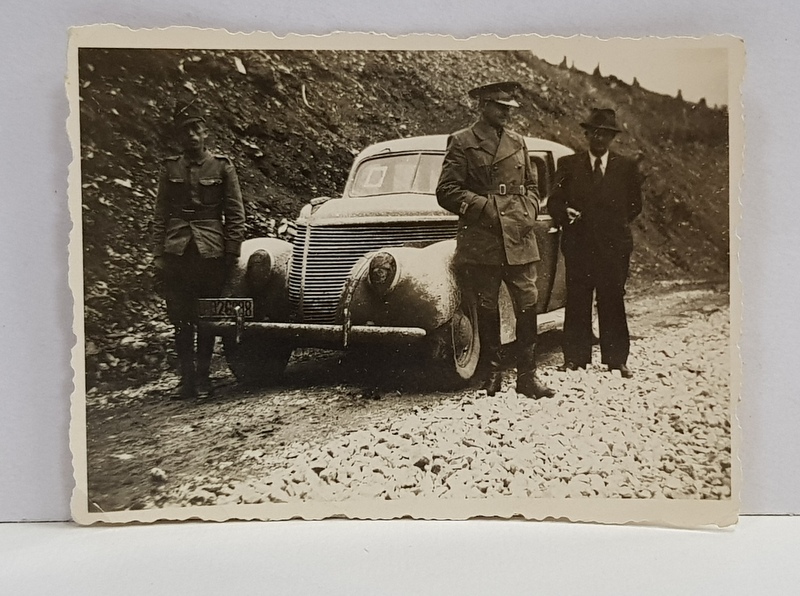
369 277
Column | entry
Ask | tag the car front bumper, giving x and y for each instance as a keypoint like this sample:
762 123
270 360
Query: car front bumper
310 335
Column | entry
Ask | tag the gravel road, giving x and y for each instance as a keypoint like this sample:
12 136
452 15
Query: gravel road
663 434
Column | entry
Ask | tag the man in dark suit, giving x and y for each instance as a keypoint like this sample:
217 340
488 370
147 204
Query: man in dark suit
597 195
488 181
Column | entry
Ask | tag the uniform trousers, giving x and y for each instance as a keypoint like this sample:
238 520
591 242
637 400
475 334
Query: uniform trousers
483 282
188 277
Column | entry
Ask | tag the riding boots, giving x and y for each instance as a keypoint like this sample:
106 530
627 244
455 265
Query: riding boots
489 332
184 346
527 382
205 349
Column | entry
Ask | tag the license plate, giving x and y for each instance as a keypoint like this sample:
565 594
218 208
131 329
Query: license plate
224 308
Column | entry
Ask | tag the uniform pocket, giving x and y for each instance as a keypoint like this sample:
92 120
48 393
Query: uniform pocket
211 191
527 222
209 235
178 192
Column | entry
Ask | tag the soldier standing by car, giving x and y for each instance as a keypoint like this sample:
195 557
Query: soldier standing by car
488 181
198 229
597 195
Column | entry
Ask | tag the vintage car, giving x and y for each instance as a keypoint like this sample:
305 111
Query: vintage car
374 266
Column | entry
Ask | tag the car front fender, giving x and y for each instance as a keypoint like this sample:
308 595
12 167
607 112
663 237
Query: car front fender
424 292
262 273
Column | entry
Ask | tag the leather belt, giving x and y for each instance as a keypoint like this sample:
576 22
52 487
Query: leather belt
505 189
195 214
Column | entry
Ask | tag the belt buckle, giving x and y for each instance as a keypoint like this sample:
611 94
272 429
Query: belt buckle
502 189
522 190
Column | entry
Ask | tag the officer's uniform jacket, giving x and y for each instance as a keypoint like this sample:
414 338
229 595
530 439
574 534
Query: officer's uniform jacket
606 209
201 201
490 184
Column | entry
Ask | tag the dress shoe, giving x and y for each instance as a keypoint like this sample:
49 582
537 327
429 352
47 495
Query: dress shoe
494 382
624 371
529 385
185 390
204 388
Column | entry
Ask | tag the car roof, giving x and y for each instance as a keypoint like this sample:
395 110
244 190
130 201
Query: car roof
438 143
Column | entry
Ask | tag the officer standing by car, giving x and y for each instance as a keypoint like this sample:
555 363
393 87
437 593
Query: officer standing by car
597 194
488 181
198 231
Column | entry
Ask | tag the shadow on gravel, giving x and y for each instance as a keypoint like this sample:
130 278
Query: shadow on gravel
391 369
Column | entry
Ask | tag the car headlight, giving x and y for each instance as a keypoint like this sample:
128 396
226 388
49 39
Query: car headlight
259 269
382 273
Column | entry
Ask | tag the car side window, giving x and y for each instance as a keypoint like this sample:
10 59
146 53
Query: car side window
542 161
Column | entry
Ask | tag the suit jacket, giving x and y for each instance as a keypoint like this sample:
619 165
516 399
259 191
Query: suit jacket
199 201
493 227
606 209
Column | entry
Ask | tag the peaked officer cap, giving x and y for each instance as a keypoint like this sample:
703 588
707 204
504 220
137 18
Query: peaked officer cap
503 93
187 111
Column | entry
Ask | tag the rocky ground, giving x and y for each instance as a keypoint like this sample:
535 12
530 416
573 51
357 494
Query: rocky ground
331 433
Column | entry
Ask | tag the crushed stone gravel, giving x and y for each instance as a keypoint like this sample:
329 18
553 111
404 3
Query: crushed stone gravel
666 433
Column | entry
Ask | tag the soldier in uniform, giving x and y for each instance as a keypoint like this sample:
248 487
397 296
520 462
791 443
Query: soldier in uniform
488 181
198 229
597 194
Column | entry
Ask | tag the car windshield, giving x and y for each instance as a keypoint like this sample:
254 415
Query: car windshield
390 174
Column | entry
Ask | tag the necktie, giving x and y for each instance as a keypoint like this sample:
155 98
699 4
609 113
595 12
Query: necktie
597 173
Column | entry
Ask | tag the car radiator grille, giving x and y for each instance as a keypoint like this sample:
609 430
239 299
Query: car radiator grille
332 252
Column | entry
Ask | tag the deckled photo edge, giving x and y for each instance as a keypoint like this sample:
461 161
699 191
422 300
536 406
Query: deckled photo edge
110 36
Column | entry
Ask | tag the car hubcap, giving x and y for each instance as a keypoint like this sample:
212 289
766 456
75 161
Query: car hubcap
463 338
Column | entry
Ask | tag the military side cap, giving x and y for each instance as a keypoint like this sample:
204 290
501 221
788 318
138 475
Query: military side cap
603 119
503 93
186 112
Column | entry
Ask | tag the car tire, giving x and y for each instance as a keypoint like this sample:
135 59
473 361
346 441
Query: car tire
256 361
457 345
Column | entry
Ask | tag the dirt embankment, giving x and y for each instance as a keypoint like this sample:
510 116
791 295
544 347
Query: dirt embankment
292 122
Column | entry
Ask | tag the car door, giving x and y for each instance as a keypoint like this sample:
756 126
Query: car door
550 281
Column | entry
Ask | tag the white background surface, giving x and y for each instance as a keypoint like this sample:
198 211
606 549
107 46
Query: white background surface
35 324
400 557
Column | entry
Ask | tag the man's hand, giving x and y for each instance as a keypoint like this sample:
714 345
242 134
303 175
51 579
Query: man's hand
573 215
230 261
490 217
158 275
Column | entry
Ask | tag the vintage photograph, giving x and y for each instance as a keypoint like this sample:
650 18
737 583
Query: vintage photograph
371 277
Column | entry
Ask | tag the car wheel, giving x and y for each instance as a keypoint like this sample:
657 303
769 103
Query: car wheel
465 341
457 347
256 360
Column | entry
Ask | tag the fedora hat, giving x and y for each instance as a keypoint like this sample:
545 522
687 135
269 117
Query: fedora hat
602 118
503 93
